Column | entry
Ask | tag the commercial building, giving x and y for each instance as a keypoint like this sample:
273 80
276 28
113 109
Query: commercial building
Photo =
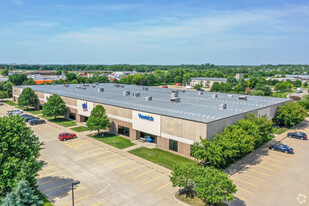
174 119
208 81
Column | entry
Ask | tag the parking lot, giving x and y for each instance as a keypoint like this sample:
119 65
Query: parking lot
106 177
275 178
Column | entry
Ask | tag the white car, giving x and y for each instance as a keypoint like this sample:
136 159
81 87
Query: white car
15 111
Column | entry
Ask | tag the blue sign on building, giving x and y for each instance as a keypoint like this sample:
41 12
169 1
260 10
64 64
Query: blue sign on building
85 108
149 118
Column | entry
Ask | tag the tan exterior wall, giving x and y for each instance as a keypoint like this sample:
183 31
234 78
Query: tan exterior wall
184 149
16 91
183 128
163 143
117 111
69 101
40 95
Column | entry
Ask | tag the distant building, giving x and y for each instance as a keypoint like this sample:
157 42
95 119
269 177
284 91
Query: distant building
239 76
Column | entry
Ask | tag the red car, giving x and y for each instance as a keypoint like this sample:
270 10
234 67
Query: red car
65 136
164 86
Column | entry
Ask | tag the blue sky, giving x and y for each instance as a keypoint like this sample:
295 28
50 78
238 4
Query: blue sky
154 32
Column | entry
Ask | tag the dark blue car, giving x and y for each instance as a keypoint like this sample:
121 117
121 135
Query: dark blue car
298 135
29 117
282 148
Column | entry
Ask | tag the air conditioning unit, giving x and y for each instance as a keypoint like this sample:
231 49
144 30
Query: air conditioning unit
93 86
229 96
136 94
145 88
173 95
175 91
214 96
84 88
86 85
182 91
149 98
242 98
126 93
96 83
200 93
100 89
66 85
222 106
175 99
78 87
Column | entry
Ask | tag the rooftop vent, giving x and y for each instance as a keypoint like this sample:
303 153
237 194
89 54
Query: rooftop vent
229 96
145 88
175 99
136 94
175 91
86 85
96 83
84 88
100 89
149 98
214 96
173 95
242 98
126 93
78 87
93 86
182 91
222 106
200 93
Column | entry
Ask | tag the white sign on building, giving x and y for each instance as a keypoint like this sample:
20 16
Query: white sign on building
147 122
84 107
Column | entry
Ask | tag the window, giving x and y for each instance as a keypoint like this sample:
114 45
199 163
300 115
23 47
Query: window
123 131
173 145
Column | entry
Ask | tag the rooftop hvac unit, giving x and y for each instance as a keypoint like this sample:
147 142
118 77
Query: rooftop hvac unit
145 88
126 93
86 85
66 85
173 95
148 98
175 99
242 98
78 87
175 91
122 86
200 93
93 86
182 91
222 106
84 88
215 96
96 83
136 94
229 96
100 89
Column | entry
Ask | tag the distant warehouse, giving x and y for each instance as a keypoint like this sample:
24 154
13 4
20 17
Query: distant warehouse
174 119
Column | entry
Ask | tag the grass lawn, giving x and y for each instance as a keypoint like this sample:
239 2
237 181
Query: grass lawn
34 111
280 130
280 94
113 140
161 157
80 129
11 103
61 121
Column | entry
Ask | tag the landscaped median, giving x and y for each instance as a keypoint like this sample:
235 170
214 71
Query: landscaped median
113 140
80 129
161 157
61 121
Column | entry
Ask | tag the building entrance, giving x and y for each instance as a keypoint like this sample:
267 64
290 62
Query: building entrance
148 137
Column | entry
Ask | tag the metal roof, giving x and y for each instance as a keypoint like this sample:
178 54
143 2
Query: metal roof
210 79
202 108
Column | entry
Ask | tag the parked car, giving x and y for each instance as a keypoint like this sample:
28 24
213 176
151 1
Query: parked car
28 117
36 121
282 148
16 111
298 135
164 86
1 103
65 136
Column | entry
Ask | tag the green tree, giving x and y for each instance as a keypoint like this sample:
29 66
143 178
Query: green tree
213 186
215 87
22 195
19 153
297 83
17 79
54 107
98 119
74 81
197 87
58 72
27 98
231 80
306 84
290 114
4 94
8 87
5 72
182 176
178 79
70 76
29 81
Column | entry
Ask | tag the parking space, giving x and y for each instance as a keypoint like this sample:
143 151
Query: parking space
275 178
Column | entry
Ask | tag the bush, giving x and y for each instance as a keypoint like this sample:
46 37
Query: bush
290 114
295 98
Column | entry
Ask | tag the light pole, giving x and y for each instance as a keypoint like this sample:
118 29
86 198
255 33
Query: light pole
74 183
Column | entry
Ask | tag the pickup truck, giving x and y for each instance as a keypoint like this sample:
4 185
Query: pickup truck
15 111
